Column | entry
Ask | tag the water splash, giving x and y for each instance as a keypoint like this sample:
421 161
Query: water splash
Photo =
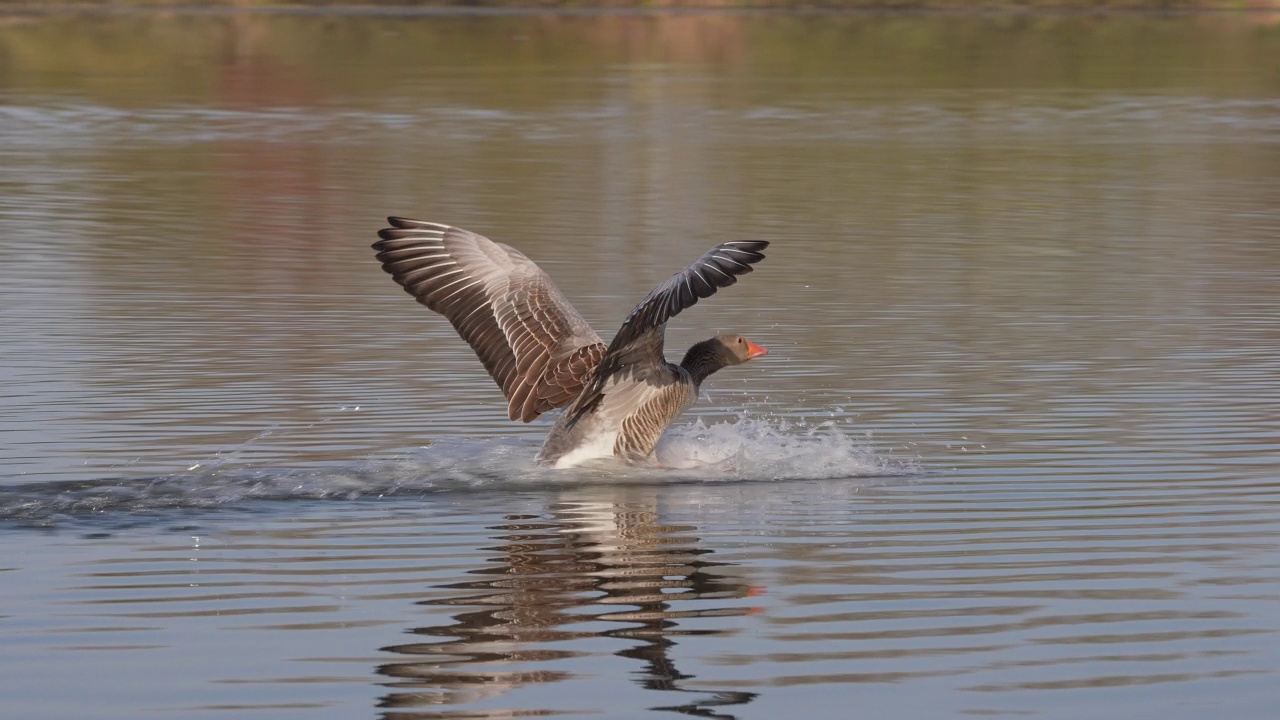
774 449
746 449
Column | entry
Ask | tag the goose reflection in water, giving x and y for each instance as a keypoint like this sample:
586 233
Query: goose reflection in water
589 559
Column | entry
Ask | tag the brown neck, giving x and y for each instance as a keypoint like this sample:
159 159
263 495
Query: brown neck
704 358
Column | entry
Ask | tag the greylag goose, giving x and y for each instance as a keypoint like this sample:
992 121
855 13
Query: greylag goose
618 398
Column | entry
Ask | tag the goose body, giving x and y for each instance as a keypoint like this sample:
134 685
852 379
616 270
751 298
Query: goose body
618 398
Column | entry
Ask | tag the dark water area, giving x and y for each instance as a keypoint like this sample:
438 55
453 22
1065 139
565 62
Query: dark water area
1015 450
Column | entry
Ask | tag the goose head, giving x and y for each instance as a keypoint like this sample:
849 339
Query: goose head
718 352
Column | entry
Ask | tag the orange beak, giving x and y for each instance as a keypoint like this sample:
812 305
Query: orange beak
754 351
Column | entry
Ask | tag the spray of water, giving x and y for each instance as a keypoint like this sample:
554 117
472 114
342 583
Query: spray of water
747 449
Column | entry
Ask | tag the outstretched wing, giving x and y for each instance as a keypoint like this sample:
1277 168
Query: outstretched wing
637 348
534 344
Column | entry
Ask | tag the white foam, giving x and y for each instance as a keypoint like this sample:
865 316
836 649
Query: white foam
751 448
599 448
744 449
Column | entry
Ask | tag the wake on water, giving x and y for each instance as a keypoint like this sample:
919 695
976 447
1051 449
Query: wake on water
745 450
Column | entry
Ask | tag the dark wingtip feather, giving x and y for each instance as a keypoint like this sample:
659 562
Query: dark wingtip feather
754 246
398 234
402 227
385 234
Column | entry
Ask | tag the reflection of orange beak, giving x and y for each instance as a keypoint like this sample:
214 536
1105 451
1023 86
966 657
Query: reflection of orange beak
754 351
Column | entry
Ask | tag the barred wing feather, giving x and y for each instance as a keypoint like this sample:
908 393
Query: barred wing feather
637 349
529 338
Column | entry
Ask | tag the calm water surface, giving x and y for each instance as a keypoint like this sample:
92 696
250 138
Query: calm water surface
1015 451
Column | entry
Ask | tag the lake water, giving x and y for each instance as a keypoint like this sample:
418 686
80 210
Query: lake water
1015 450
